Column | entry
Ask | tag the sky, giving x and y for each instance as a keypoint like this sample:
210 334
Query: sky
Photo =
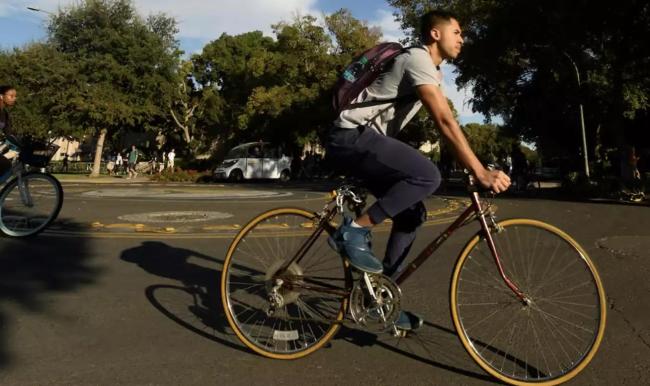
201 21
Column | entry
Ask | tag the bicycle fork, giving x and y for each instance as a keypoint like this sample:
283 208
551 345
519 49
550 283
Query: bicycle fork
493 249
23 189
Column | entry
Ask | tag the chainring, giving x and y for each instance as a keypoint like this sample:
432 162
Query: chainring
379 314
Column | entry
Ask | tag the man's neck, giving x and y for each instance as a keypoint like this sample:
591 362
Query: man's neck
435 54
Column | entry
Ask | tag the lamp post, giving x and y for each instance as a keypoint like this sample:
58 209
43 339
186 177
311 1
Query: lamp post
582 116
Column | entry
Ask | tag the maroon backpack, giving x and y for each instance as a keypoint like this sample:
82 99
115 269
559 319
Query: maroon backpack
361 73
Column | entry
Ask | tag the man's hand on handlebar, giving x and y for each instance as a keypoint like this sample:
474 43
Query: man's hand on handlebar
495 180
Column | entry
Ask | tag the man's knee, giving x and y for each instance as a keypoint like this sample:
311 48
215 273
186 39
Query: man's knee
410 219
430 178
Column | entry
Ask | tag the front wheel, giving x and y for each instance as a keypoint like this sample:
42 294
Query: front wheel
28 207
236 176
554 334
284 314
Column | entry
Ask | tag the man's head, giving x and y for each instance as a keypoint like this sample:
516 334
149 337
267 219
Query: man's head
442 28
7 95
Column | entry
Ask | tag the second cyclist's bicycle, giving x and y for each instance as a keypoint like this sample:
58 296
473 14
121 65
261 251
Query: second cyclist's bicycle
32 198
526 300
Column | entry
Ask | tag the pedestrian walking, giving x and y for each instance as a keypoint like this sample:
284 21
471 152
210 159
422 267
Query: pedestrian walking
170 159
65 163
118 163
133 161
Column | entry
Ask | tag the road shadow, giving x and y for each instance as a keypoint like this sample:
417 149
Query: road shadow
33 267
432 344
195 304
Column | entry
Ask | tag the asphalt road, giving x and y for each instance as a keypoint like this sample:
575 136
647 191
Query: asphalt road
98 300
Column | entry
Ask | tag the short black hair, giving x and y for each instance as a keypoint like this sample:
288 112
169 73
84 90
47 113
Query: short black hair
432 19
6 87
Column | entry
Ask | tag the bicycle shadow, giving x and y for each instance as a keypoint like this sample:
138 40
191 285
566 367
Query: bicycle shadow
196 303
432 344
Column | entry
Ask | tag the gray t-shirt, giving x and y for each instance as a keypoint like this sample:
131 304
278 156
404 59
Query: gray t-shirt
412 68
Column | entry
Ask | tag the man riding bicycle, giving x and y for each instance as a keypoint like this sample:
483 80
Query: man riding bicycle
361 143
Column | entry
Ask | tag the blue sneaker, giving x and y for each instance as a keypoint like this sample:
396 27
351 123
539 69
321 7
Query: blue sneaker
408 321
354 244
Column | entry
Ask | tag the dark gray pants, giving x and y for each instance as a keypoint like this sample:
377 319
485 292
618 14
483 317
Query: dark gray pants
399 176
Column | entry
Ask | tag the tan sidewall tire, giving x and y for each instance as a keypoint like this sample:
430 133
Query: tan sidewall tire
601 296
225 301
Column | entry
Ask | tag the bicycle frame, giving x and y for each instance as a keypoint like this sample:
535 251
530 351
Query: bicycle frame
475 208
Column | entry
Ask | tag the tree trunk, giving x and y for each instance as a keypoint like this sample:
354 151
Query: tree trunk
98 153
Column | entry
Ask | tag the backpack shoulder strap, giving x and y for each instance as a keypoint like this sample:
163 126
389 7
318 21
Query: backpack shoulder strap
400 99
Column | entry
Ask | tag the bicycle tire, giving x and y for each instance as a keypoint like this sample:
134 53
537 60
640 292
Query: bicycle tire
255 255
17 219
520 350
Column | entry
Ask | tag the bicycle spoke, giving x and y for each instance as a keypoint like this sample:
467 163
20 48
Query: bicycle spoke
312 289
550 335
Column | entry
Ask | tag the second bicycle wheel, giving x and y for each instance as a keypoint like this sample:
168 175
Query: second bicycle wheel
29 207
313 291
550 339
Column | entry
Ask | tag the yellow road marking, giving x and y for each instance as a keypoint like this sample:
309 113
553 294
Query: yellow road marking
141 230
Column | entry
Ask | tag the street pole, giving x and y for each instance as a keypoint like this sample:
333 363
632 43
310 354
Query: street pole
582 116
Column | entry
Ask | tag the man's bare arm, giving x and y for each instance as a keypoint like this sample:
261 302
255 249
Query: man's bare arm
436 103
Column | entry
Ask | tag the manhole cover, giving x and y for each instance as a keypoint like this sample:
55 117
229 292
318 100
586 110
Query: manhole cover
174 217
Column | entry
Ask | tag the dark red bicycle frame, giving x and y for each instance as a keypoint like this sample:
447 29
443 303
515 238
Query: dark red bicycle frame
474 208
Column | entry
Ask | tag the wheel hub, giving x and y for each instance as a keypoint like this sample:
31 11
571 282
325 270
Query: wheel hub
283 295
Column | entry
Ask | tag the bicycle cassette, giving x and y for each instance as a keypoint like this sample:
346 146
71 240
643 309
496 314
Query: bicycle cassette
378 313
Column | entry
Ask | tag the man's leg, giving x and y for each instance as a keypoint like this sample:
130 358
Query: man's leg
398 175
402 235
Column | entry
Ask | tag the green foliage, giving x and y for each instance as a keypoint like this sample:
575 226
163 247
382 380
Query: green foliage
43 77
488 141
126 66
352 36
278 90
521 59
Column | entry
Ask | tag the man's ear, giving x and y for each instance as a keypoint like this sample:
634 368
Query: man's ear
435 34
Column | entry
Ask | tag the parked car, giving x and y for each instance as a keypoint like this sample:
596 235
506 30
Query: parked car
254 160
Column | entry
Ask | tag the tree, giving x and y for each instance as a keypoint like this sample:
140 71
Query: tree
43 77
523 66
280 90
352 36
126 67
231 67
490 142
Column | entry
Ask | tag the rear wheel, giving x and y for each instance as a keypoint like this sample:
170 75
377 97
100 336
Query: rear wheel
555 334
290 314
28 207
285 176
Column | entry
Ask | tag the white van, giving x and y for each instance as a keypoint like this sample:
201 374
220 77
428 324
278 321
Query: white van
254 160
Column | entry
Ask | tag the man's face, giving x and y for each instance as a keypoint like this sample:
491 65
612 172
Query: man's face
9 98
451 40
